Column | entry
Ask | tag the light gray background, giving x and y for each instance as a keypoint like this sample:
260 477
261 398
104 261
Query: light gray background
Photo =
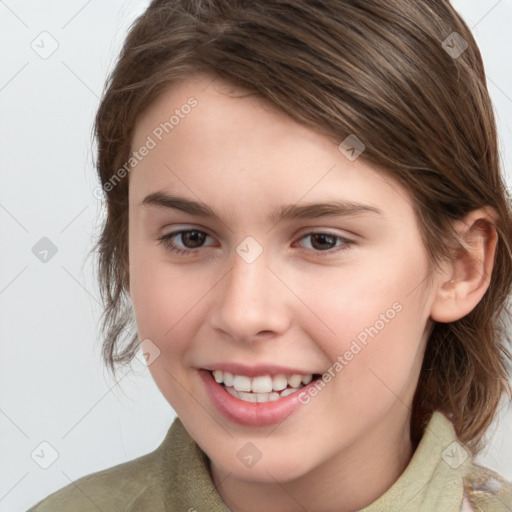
53 385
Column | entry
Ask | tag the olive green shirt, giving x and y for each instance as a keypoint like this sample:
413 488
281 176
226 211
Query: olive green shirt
441 477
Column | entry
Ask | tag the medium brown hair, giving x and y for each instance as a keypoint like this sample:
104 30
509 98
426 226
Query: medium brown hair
379 70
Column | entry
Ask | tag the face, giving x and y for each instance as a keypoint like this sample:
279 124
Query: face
238 265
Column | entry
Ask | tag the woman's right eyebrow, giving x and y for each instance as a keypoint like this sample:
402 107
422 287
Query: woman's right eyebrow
340 208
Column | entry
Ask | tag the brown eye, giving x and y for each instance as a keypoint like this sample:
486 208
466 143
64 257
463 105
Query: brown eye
192 239
322 241
323 245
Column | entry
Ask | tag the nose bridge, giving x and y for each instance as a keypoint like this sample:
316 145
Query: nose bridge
250 299
248 283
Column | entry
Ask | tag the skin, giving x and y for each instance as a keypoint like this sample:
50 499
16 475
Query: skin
243 158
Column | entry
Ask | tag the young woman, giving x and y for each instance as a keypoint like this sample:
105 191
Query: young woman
307 215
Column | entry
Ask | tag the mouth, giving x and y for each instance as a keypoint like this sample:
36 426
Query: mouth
257 396
262 388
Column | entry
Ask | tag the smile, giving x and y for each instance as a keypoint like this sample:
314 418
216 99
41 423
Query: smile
264 388
262 399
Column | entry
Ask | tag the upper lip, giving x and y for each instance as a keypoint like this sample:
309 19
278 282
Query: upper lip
257 370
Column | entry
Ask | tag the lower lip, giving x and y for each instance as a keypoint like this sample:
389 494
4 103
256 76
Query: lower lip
251 413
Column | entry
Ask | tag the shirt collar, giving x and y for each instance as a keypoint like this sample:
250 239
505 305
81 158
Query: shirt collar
433 479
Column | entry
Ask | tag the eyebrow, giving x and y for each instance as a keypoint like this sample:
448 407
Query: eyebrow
294 211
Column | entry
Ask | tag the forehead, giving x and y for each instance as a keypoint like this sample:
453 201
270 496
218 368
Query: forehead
216 142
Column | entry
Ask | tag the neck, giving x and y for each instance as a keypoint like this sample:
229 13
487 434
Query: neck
350 480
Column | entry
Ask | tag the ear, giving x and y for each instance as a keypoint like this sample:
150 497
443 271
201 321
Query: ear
463 281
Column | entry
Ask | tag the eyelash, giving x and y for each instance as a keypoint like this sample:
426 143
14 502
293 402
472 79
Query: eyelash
167 242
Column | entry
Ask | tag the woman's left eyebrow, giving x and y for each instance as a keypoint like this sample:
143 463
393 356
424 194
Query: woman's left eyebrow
294 211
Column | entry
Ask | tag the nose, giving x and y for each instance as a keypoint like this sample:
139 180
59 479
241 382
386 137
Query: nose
251 301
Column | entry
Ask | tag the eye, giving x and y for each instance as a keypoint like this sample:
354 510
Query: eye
191 238
322 244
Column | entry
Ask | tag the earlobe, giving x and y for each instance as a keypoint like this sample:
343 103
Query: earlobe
464 281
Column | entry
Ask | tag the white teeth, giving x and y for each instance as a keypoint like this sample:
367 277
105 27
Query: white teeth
248 397
307 379
263 388
256 397
295 381
228 378
262 384
287 392
242 383
279 382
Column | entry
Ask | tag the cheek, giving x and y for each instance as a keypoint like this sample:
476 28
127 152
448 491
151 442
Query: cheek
162 299
164 302
372 323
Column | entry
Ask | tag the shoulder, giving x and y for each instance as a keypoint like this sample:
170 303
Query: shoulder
486 490
132 485
451 477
